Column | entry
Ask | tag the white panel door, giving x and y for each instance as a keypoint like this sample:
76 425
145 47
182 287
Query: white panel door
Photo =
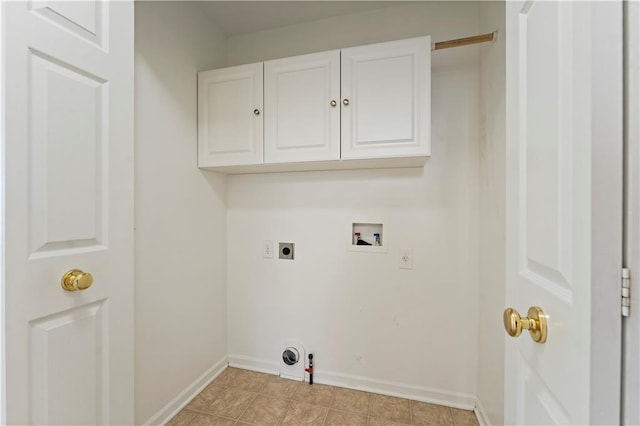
302 108
68 203
386 99
230 116
564 209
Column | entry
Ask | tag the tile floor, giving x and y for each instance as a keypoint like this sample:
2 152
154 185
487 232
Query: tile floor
239 397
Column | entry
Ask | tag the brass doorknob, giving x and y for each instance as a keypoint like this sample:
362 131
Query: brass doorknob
536 323
76 279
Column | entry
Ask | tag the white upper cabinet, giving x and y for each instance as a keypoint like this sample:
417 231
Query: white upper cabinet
386 97
230 119
360 107
301 108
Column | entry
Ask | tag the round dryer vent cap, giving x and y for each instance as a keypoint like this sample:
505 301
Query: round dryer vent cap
290 356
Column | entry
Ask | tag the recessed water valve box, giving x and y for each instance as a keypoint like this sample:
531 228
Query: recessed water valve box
367 237
286 251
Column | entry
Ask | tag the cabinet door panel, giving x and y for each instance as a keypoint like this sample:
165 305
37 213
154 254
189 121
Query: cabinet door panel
300 123
229 127
387 87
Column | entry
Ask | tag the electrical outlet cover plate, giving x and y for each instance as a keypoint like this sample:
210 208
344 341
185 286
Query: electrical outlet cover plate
267 249
286 251
406 259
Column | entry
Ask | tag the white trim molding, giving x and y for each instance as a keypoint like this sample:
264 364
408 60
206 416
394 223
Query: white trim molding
417 393
403 390
174 406
481 414
254 364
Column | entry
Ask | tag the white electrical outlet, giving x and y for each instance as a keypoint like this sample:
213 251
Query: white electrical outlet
267 249
406 258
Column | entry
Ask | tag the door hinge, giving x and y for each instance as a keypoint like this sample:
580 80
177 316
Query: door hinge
625 282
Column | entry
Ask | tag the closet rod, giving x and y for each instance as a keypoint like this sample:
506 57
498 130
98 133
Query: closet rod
483 38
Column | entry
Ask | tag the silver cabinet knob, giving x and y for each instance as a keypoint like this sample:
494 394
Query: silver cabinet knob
333 103
345 102
256 111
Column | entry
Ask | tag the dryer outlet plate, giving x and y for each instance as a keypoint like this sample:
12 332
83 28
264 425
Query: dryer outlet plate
286 250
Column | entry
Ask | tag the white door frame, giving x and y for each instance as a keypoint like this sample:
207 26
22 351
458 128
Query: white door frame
607 207
631 324
3 411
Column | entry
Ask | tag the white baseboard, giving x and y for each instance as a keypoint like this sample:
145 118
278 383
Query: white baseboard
481 414
174 406
254 364
402 390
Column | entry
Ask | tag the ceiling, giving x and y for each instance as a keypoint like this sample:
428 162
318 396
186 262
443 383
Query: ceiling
242 17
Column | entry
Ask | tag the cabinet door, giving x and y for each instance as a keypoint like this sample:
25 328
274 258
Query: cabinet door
230 116
386 97
302 114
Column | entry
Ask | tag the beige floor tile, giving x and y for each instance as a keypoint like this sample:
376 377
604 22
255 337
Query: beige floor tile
202 419
430 414
225 379
280 388
351 400
464 417
257 398
265 411
300 413
340 418
205 398
314 394
381 422
390 408
249 380
231 403
182 418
